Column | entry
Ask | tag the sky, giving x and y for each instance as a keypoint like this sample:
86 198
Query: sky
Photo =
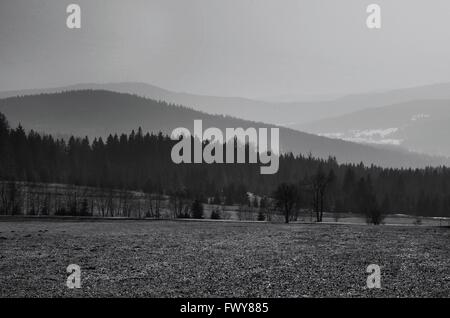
247 48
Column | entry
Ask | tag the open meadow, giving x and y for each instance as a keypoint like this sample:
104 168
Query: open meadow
221 259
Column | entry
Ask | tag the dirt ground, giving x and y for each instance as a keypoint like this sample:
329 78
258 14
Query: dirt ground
221 259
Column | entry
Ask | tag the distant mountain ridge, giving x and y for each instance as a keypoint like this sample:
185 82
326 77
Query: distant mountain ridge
289 114
97 113
420 125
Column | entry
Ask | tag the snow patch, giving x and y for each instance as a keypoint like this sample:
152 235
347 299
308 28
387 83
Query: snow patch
370 136
419 117
373 132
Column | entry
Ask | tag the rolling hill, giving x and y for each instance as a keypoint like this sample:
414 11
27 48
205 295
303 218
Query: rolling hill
97 113
420 126
288 114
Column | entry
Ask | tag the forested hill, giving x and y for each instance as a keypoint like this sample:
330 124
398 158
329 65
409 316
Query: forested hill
96 113
141 161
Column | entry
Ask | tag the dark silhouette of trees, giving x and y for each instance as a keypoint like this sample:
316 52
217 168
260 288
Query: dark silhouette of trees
141 162
367 201
286 196
215 214
197 209
320 183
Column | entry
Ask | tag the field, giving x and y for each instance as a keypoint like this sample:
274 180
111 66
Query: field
221 259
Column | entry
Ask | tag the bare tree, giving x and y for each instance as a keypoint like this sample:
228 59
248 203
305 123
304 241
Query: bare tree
180 204
320 183
286 196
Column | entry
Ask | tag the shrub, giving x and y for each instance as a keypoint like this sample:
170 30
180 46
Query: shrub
197 209
374 216
215 214
261 216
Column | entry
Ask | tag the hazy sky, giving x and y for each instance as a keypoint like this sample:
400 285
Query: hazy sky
227 47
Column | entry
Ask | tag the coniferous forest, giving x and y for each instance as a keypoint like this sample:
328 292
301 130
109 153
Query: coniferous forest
141 161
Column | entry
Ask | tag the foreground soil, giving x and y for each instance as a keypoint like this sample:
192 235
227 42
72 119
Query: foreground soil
221 259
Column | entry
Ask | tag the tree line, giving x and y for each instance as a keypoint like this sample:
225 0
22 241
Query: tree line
142 162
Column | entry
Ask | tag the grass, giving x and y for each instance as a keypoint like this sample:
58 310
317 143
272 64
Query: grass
223 259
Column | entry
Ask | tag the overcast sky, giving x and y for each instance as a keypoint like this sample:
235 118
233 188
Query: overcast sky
252 48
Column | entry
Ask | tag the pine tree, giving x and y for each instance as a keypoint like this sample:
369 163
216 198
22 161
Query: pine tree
197 209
